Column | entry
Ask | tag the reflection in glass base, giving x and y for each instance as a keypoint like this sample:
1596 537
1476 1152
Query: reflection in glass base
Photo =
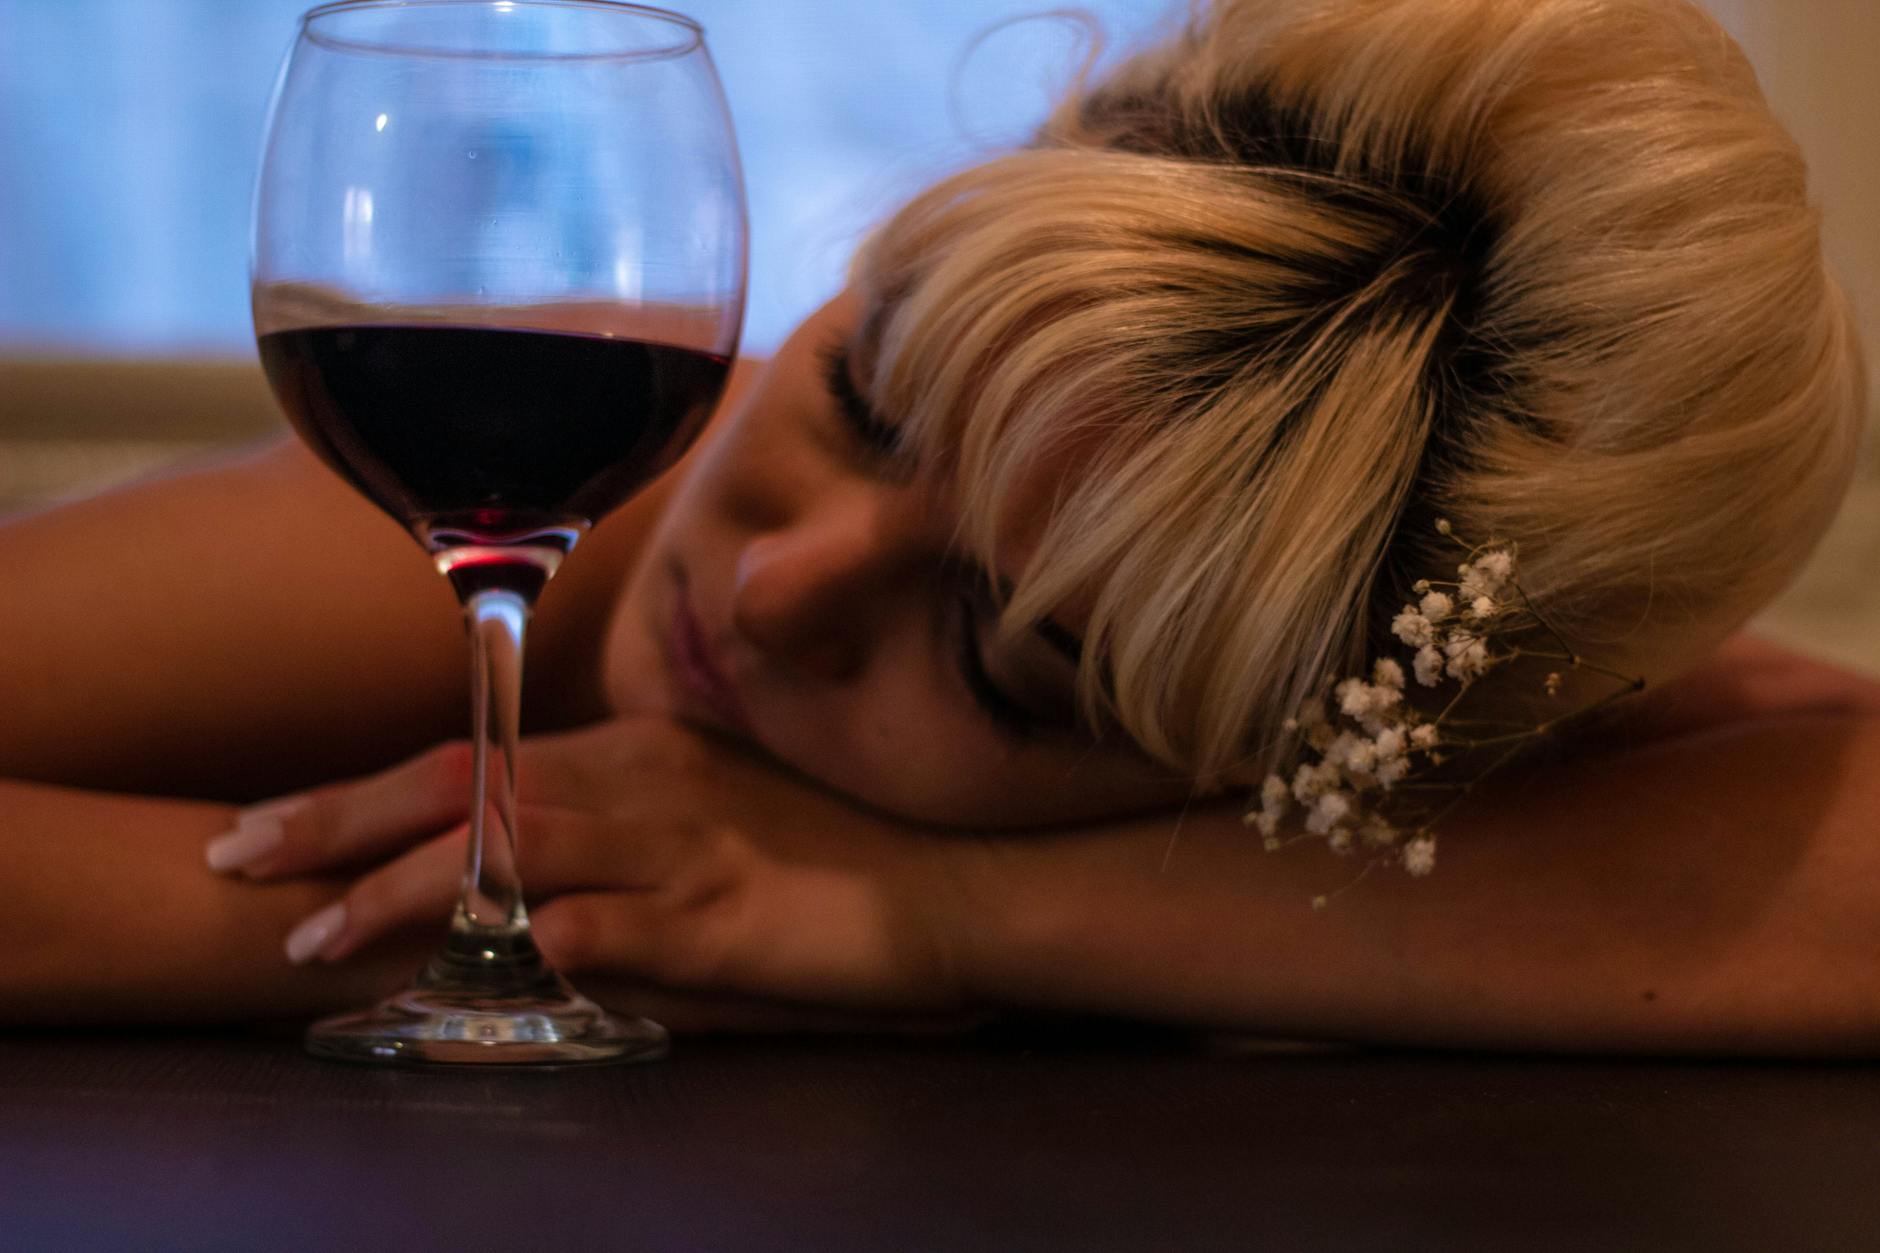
484 1003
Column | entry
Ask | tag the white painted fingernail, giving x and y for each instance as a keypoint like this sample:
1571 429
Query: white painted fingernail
258 832
314 931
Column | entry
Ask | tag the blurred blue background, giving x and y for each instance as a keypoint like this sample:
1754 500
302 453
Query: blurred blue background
130 129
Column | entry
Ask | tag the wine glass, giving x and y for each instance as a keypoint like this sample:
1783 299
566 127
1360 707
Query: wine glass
498 277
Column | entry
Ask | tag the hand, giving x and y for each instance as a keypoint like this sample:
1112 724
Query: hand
668 872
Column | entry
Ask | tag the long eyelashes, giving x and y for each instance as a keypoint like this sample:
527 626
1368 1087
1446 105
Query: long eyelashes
1002 709
876 435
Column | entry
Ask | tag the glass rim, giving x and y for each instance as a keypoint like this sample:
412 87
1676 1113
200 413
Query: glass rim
693 33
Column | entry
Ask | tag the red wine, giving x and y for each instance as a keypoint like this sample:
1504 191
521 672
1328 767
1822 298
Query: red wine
485 436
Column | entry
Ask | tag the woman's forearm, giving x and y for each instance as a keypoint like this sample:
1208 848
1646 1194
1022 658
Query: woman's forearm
1712 894
110 915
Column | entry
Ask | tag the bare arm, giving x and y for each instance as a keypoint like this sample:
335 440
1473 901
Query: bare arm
1710 893
1698 891
111 917
229 631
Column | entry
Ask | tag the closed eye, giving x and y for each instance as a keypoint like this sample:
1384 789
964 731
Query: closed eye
1007 713
876 435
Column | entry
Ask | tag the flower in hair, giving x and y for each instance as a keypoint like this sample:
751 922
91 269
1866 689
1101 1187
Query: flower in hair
1363 778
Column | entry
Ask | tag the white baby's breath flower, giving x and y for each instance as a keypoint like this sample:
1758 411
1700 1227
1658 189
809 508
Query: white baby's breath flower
1421 587
1488 575
1337 750
1413 628
1312 780
1495 566
1267 820
1387 673
1274 794
1333 752
1377 832
1391 772
1391 743
1419 856
1425 736
1437 606
1327 812
1429 666
1365 701
1468 657
1340 841
1482 608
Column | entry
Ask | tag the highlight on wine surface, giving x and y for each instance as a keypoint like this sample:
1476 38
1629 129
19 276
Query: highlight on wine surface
498 277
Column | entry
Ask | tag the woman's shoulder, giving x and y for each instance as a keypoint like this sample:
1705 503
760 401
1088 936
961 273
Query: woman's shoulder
1748 680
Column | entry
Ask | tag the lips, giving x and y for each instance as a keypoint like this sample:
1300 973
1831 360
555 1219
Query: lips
698 670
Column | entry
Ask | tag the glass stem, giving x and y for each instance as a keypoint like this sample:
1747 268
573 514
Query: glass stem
489 948
497 620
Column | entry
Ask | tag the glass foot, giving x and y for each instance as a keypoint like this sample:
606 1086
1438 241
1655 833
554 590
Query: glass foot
494 1004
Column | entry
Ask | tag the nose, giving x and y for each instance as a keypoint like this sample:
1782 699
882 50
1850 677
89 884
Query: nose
808 593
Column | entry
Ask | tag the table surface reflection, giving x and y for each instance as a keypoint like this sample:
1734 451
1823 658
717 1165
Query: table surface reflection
1033 1138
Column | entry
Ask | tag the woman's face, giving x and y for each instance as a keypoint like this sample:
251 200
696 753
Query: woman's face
803 592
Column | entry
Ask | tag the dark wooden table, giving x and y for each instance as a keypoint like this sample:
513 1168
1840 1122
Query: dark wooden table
1026 1140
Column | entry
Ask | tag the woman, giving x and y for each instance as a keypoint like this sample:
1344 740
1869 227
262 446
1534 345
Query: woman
929 683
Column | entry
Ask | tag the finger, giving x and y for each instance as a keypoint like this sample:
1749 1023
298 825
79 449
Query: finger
566 850
349 823
421 884
625 944
363 820
559 850
421 887
698 944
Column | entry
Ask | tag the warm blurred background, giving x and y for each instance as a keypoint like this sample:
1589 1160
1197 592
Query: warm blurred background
130 129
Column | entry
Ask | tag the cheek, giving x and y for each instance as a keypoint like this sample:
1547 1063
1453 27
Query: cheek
906 744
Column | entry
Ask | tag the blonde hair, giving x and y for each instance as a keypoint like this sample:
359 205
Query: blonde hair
1289 286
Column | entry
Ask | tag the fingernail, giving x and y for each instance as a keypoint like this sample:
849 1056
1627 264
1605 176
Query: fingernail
314 931
258 832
